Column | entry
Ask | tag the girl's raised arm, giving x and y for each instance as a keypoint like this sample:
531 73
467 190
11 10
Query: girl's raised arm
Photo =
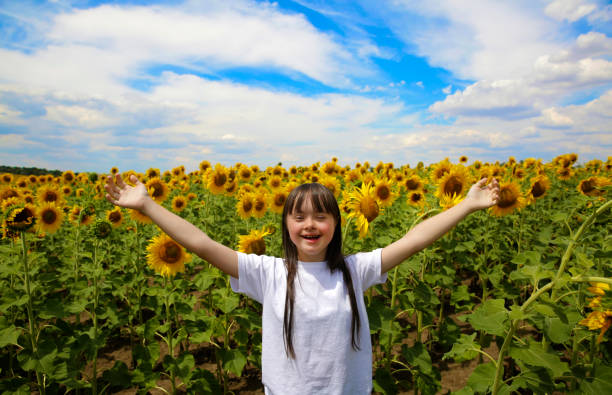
480 196
182 231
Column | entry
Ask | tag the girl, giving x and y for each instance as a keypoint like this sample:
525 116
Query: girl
315 336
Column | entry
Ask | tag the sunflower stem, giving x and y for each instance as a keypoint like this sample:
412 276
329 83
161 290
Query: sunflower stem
169 335
31 325
94 316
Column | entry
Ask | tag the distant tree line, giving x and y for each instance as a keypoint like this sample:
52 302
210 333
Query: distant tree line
27 171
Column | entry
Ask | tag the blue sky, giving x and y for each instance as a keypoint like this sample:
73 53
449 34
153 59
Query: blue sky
87 85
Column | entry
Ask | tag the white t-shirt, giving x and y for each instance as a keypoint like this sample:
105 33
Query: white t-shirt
325 361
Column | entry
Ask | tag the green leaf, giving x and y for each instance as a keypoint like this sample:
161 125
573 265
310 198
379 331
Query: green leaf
9 335
185 363
464 349
490 317
418 357
536 355
233 361
53 308
118 375
556 330
601 382
482 377
383 382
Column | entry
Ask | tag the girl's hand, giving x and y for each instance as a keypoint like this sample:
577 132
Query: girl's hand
482 195
124 195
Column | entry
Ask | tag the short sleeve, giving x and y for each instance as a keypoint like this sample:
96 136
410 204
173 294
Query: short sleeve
368 267
252 274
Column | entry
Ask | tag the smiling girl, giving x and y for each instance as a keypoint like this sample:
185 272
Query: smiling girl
315 336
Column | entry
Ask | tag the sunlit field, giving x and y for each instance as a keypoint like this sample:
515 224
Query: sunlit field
516 298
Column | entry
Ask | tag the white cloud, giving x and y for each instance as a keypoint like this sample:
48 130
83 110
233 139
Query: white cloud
478 39
552 78
13 141
570 10
551 117
78 115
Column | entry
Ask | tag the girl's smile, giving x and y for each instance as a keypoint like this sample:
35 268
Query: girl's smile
311 232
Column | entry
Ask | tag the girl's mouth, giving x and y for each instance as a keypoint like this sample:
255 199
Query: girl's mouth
311 237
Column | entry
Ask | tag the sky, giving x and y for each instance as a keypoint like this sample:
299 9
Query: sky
88 85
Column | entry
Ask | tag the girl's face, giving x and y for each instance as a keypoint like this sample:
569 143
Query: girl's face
310 231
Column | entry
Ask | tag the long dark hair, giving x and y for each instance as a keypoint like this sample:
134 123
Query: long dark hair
322 200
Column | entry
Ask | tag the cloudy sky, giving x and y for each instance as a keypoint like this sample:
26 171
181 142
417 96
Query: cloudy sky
87 85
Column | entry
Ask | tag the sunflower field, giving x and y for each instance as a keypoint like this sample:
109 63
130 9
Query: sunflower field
515 299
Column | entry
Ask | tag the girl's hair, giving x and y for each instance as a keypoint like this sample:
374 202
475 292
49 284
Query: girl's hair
322 200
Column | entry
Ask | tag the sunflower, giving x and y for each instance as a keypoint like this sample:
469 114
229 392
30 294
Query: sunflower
598 320
254 242
591 186
21 182
50 218
231 188
332 184
277 201
245 205
7 192
413 183
68 176
439 170
383 192
115 217
245 173
275 183
260 205
66 190
83 216
564 173
416 198
114 170
352 176
463 159
20 217
158 189
179 202
455 182
178 171
329 168
539 186
217 179
510 198
363 206
50 194
6 178
447 201
204 165
152 173
166 256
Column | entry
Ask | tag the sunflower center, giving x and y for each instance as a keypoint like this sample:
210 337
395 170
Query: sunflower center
170 252
179 203
158 190
49 216
453 186
259 205
416 197
369 208
279 200
257 247
50 196
507 198
587 186
412 184
383 192
247 206
220 179
114 217
537 190
275 183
